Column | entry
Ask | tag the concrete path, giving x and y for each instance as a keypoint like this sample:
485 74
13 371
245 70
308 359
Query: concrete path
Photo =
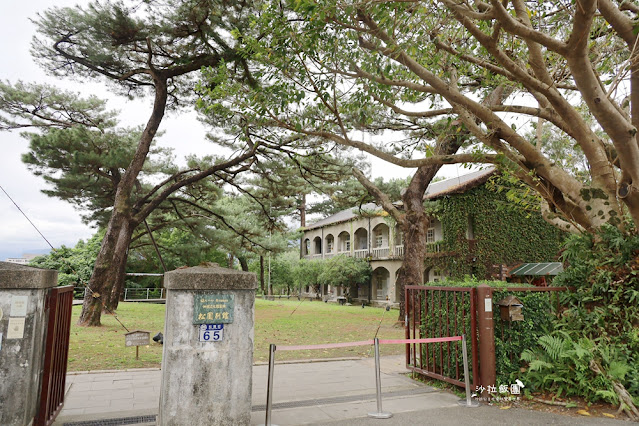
336 393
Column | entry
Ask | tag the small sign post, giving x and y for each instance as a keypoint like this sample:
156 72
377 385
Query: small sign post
137 338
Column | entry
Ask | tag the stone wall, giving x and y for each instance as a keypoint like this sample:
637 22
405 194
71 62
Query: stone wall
23 292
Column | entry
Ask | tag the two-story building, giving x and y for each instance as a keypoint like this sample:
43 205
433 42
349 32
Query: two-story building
370 233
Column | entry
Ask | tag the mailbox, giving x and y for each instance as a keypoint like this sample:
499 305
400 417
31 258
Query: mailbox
510 309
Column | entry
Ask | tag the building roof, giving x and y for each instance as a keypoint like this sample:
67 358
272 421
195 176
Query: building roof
456 185
342 216
538 269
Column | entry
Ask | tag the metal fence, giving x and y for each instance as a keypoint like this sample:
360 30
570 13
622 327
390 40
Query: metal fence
435 312
132 294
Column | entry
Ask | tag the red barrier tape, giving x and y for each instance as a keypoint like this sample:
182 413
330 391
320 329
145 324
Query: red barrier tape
326 346
366 343
433 340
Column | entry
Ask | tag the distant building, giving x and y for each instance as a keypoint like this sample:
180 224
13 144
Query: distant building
473 240
24 260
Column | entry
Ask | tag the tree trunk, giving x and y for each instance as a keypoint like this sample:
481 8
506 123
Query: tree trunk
110 263
119 264
262 274
109 268
414 228
303 211
243 263
415 222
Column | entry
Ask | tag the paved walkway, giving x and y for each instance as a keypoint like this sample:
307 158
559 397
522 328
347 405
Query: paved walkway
336 393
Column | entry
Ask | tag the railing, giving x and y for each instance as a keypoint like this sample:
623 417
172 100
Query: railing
132 294
345 253
433 247
380 414
361 254
56 352
399 251
331 254
380 252
434 312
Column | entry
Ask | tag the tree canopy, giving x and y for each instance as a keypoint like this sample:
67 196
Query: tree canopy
153 48
396 70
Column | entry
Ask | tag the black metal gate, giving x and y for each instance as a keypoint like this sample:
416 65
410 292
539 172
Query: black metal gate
56 351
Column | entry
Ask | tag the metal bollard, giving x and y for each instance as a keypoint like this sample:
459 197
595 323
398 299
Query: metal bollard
468 402
269 388
378 381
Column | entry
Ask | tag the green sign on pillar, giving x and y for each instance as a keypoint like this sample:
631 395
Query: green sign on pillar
213 308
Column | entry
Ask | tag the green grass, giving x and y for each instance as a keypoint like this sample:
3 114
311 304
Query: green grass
102 348
281 322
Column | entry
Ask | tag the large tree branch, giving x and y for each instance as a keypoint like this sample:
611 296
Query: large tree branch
147 208
220 218
514 26
382 198
144 145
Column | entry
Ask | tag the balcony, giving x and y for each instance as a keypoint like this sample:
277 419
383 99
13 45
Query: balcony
433 247
397 252
361 254
380 252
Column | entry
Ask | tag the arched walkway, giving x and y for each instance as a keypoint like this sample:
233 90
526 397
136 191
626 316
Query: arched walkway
380 281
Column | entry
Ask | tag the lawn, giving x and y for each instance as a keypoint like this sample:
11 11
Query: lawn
281 322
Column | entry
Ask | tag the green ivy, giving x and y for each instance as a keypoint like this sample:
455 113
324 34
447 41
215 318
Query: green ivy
513 337
504 233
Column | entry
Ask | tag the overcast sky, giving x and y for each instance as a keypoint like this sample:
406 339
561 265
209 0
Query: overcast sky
58 221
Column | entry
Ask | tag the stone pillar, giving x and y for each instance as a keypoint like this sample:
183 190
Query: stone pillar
23 294
207 375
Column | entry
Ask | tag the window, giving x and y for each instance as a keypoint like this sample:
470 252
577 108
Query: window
379 239
470 230
363 243
430 235
380 284
329 246
347 246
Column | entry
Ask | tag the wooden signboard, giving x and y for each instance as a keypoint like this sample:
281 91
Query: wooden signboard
137 338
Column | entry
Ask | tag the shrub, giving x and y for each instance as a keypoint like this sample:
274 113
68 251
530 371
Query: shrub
599 330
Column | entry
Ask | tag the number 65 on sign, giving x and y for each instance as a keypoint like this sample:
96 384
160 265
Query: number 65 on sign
211 332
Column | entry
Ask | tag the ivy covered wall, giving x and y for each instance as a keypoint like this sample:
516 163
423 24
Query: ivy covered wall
502 233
